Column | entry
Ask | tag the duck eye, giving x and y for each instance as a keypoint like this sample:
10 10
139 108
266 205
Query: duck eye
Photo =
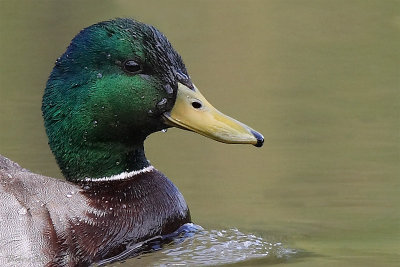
132 67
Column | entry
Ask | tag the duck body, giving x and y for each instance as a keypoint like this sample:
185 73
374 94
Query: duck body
117 82
86 222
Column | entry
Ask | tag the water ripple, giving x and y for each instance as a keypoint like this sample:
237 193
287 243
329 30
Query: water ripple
192 245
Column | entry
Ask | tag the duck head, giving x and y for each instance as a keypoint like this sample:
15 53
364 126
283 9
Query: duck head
118 82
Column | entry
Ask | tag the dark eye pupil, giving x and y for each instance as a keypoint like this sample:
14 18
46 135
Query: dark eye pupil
132 67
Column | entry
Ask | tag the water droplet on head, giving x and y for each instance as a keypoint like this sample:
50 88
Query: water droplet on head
85 135
69 195
108 56
94 123
117 163
164 130
168 89
162 104
99 75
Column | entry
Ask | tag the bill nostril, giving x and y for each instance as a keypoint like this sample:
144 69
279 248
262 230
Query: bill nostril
197 104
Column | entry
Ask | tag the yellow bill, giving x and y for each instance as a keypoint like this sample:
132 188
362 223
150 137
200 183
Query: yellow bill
193 112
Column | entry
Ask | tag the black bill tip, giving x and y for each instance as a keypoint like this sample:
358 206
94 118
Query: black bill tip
259 137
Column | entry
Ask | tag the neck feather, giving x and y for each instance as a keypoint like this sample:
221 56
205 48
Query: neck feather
100 161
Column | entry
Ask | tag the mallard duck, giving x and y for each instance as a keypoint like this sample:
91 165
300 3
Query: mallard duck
117 82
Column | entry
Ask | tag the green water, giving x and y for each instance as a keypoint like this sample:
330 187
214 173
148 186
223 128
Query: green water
320 80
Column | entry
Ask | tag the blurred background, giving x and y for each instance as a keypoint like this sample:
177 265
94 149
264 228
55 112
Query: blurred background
320 80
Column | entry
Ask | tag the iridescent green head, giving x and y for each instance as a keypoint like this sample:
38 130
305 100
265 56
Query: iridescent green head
106 93
116 83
